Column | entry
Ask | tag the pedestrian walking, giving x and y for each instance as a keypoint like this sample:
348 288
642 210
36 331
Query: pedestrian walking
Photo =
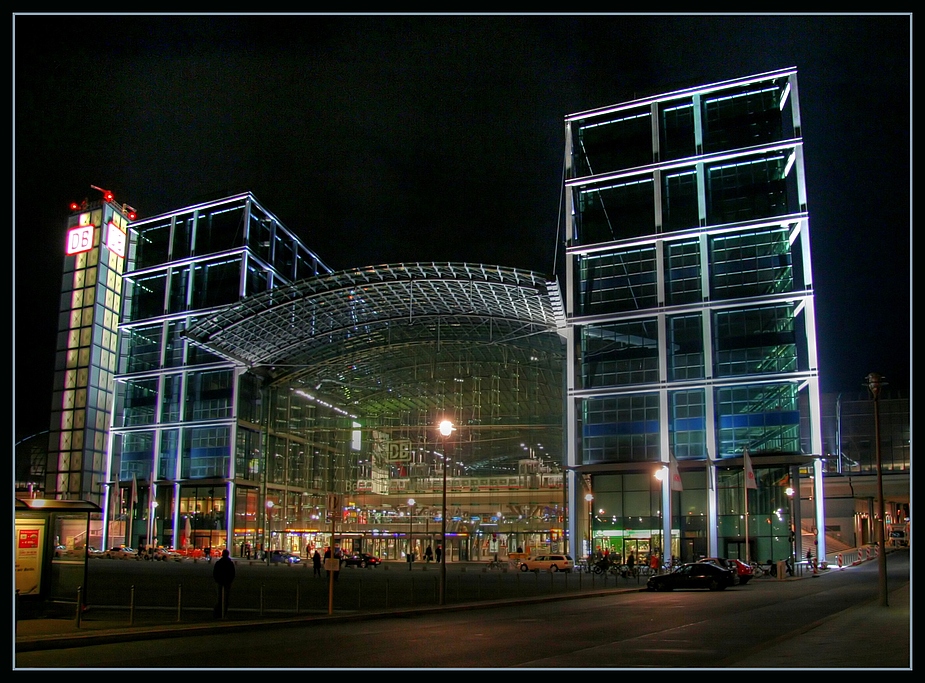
439 552
316 563
631 564
429 554
223 573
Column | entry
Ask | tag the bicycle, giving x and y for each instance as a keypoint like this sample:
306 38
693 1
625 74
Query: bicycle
762 570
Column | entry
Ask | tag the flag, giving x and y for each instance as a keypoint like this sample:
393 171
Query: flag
673 474
750 482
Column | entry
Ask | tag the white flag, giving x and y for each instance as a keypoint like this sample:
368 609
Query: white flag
750 482
673 474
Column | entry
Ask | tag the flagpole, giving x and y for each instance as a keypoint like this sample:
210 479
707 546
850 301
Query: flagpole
150 525
131 515
745 482
750 483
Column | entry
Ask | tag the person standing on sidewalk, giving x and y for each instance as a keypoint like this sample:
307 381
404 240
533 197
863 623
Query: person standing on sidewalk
223 573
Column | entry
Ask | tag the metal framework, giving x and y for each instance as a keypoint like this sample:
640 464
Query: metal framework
403 343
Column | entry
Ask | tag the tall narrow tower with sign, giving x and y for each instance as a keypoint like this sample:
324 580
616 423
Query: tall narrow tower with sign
94 252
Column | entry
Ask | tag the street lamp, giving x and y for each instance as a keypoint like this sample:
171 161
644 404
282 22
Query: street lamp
446 429
590 498
790 491
874 383
410 532
269 534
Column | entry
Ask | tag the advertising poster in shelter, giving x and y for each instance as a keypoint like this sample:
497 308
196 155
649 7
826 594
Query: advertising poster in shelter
29 541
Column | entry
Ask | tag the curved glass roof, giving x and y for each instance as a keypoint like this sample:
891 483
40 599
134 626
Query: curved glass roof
404 345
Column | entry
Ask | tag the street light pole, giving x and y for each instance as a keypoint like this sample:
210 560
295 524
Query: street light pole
874 383
410 532
446 429
791 491
590 498
269 534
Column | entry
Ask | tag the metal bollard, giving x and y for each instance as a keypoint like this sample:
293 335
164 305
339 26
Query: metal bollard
79 603
131 608
179 600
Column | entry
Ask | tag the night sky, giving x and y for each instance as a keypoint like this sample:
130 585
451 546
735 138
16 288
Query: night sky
382 139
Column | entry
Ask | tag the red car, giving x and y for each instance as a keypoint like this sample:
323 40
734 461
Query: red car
744 572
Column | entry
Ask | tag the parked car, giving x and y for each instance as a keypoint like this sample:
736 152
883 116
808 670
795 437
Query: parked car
162 554
76 553
361 560
549 563
284 557
121 553
693 575
744 572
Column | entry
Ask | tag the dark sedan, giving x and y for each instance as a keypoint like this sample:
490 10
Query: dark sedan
693 575
362 560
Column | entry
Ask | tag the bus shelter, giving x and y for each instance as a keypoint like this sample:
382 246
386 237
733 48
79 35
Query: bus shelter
51 552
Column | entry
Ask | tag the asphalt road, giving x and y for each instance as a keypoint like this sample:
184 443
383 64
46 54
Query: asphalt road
832 621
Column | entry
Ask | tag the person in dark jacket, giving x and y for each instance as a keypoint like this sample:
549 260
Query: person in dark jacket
316 563
223 574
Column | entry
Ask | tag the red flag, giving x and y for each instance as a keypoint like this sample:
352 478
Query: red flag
750 481
673 474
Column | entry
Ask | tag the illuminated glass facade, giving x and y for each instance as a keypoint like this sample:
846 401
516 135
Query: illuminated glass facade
691 325
252 382
186 465
392 350
85 360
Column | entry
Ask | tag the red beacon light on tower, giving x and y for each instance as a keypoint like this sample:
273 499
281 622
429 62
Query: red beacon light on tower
108 196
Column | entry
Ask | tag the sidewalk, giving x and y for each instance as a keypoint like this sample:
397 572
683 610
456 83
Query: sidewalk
878 636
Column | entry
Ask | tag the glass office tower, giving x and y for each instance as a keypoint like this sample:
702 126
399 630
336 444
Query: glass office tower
186 461
85 355
691 325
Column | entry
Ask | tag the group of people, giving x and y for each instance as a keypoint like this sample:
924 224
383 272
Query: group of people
428 554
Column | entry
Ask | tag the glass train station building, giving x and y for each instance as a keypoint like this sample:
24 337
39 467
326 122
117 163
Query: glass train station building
691 322
217 384
237 383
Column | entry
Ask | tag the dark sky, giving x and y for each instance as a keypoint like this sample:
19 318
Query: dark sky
381 139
